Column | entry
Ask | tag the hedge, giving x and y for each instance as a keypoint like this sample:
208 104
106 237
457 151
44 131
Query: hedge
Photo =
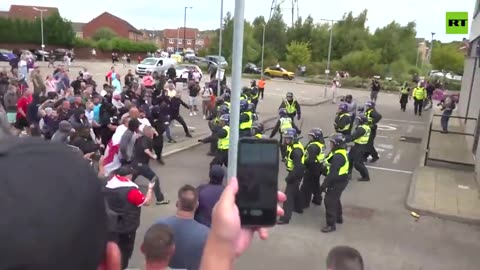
116 44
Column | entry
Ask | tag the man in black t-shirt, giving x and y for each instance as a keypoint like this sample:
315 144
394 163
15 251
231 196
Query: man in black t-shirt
142 153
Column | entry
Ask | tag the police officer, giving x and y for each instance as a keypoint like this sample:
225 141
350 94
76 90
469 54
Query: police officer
214 125
352 109
342 120
284 122
373 118
223 141
245 95
314 157
292 106
294 160
257 130
404 93
226 99
419 94
251 108
356 155
254 92
246 119
335 182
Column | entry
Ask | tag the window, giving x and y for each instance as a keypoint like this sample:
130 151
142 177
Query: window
199 41
179 42
189 42
79 34
170 41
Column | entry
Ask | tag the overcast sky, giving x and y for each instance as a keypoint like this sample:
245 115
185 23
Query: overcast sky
428 14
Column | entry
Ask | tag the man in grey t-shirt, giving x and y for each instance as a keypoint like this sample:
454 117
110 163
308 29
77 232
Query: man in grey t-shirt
352 108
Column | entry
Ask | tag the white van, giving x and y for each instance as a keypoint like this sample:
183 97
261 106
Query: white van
153 64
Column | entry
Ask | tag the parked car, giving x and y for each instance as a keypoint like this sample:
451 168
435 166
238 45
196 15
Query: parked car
28 54
251 69
6 55
153 64
183 70
189 56
60 54
40 54
279 72
218 60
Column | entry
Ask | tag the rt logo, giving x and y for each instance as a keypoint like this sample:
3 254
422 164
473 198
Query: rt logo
457 23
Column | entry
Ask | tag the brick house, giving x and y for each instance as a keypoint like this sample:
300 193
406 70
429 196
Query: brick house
27 12
78 29
174 38
153 36
106 20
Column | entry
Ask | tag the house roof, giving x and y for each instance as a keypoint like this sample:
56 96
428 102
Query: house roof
77 27
156 33
125 24
3 14
29 13
190 33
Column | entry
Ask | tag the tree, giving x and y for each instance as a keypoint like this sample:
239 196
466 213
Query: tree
104 33
395 41
298 53
447 57
350 34
362 63
275 35
301 31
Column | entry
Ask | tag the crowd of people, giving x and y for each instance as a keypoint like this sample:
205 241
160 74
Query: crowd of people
122 126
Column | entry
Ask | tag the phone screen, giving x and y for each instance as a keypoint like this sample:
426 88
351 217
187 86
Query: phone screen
257 173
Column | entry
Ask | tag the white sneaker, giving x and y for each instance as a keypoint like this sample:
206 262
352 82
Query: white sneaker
204 117
191 114
194 113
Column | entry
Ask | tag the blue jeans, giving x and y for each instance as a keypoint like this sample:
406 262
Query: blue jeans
444 120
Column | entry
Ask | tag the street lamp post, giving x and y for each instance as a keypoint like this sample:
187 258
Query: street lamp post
220 36
430 50
327 71
41 29
185 28
263 49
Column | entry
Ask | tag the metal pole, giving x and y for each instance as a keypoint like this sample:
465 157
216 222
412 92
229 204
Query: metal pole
430 55
178 37
184 29
471 88
220 36
41 27
236 85
328 60
263 48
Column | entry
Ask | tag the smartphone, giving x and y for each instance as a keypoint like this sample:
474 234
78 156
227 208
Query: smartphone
257 174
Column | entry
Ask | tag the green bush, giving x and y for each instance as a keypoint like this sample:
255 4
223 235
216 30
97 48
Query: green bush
358 83
84 43
116 44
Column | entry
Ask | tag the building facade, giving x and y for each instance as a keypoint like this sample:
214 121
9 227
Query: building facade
469 105
174 39
121 27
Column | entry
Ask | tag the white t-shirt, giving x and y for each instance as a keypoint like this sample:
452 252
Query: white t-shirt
143 123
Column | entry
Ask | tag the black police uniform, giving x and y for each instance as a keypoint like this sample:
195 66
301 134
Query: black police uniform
221 136
159 119
373 118
360 136
109 120
294 177
342 123
335 182
293 108
314 156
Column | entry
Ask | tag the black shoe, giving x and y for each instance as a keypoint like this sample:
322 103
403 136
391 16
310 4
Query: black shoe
328 229
317 201
282 222
210 154
298 211
188 135
160 161
373 160
363 179
444 131
162 202
339 220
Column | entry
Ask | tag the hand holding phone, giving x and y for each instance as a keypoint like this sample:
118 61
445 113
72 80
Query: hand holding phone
257 173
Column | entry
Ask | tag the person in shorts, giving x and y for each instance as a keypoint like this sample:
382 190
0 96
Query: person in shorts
22 104
193 90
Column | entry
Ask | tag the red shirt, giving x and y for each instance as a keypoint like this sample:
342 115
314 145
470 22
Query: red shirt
22 103
134 196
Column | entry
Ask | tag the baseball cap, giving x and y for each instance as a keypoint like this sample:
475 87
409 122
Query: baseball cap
53 209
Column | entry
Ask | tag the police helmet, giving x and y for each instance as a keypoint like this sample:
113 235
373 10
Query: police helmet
343 107
348 97
370 104
219 100
244 90
361 109
228 90
282 112
243 105
223 109
257 127
361 119
337 139
290 133
316 133
251 107
289 95
226 96
225 118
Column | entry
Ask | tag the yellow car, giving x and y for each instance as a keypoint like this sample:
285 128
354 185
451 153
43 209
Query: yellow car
279 72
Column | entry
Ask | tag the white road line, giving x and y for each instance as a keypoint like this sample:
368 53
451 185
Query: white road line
410 129
389 170
396 159
382 136
404 121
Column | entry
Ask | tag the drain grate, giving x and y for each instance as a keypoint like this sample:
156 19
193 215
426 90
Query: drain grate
410 139
358 212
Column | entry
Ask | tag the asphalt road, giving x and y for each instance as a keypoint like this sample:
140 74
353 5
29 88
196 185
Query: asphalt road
376 221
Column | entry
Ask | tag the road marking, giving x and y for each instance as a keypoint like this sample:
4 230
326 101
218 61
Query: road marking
388 169
385 146
386 128
410 129
404 121
396 159
382 136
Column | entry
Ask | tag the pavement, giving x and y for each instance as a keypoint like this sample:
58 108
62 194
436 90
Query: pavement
376 220
443 190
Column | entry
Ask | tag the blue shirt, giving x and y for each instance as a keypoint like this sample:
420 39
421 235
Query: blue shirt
208 196
190 237
96 112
